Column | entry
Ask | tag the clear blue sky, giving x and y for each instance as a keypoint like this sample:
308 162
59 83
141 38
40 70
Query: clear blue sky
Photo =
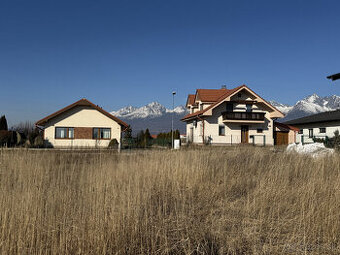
119 53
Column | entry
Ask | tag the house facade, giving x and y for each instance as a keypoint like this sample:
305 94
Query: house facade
81 124
320 125
230 116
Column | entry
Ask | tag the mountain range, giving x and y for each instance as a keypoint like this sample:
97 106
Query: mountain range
157 118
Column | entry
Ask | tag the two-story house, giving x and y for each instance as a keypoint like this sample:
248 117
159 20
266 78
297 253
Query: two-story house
230 116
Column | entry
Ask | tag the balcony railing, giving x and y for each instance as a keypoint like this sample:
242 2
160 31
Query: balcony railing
256 116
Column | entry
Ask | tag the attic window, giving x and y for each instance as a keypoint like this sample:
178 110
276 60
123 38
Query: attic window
239 95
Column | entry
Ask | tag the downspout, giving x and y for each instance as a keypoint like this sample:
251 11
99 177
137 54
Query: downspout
198 117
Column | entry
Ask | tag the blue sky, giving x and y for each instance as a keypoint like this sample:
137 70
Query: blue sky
119 53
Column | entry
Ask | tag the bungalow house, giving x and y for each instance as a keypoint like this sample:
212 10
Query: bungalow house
320 125
230 116
81 124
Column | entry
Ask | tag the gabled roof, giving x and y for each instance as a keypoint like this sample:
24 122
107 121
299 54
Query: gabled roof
227 93
316 118
81 102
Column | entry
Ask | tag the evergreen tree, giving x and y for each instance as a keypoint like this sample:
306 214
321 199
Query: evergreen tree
3 123
147 138
140 139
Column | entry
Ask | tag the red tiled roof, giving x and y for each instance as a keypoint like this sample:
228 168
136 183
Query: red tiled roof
81 102
210 95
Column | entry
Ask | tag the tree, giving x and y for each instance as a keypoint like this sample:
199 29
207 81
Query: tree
147 138
128 132
140 139
3 123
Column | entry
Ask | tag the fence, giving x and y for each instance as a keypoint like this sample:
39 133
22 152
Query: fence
228 140
305 139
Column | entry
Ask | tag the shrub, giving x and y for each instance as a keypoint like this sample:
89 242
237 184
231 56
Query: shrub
113 144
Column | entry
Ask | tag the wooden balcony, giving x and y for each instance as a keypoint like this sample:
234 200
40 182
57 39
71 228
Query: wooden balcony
251 117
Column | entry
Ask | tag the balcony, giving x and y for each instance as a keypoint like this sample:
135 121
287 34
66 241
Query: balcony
250 117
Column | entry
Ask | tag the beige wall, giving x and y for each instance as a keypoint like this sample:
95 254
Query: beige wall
81 116
232 130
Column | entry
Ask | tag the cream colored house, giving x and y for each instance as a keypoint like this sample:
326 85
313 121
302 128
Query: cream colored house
230 116
81 124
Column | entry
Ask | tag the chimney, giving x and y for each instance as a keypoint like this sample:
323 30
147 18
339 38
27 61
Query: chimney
224 86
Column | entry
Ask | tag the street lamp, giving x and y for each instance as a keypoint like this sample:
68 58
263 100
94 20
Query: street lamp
172 119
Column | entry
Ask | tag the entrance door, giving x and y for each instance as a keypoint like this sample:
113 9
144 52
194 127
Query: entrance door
244 134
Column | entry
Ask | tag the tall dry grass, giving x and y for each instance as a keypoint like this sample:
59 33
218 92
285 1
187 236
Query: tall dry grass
232 200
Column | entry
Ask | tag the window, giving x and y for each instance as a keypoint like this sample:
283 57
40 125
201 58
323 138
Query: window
64 133
259 130
249 107
102 133
322 130
301 131
239 95
310 133
221 130
230 107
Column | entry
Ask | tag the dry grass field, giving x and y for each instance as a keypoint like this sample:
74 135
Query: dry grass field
235 200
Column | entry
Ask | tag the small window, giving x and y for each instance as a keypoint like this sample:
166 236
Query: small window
310 133
300 131
239 95
64 133
221 130
322 130
259 130
101 133
249 107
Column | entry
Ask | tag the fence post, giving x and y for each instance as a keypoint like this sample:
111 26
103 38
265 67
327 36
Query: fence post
302 141
231 139
264 140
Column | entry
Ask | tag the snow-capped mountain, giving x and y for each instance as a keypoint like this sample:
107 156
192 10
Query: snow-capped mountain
284 108
157 118
154 116
150 110
310 105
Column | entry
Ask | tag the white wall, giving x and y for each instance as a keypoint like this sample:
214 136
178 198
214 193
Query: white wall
331 127
232 130
81 116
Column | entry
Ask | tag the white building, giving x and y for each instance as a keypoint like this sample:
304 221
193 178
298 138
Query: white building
81 124
230 116
320 125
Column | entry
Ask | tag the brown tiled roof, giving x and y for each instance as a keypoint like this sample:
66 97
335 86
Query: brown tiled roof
213 95
286 126
191 99
226 93
81 102
210 95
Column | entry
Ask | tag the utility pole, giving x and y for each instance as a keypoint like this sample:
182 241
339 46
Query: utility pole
172 119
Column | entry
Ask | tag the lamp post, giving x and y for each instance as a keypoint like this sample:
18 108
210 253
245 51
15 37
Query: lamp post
172 119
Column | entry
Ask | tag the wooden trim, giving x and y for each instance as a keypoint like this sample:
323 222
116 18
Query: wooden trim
67 133
99 128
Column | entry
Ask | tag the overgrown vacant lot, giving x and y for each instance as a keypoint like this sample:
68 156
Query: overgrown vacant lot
235 200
